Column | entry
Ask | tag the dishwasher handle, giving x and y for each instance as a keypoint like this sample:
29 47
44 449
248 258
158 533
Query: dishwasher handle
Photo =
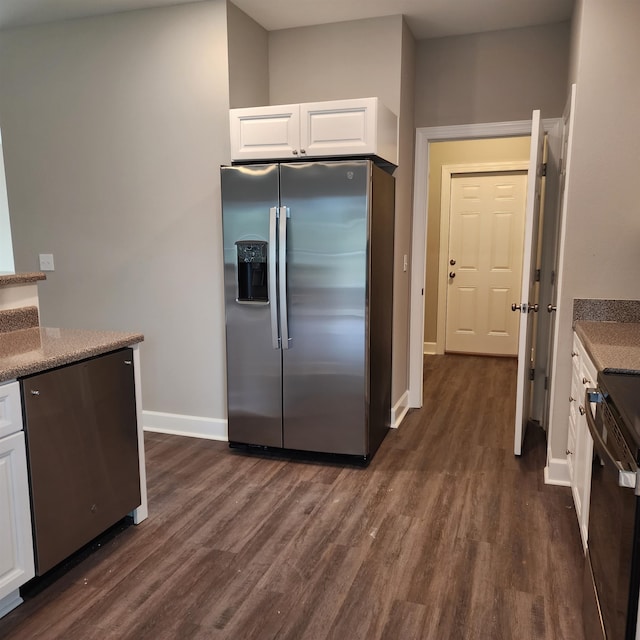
626 478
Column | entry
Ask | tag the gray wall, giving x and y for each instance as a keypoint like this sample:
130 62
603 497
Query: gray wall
113 131
574 53
602 256
337 61
492 77
248 60
345 60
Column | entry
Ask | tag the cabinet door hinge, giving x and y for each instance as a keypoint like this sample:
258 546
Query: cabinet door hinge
546 383
543 170
537 276
532 374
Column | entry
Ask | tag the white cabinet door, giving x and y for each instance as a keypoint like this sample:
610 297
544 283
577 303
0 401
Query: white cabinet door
10 409
264 133
580 450
339 127
16 543
528 289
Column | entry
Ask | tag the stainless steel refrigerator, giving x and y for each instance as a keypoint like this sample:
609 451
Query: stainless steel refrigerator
308 269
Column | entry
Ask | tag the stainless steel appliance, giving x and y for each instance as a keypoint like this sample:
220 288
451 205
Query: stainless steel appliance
612 566
308 268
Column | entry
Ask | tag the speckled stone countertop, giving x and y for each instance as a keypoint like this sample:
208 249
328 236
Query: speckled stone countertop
11 279
613 346
606 310
29 351
21 318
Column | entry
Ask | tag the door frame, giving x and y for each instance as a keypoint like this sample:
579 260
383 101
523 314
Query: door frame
424 136
448 170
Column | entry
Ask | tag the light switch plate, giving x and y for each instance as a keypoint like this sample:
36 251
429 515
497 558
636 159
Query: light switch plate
46 262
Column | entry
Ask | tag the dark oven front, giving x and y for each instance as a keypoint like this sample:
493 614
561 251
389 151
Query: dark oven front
611 578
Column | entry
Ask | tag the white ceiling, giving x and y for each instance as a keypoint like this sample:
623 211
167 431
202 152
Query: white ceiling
426 18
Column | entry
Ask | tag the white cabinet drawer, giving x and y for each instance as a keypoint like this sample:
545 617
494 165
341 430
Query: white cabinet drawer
10 408
586 368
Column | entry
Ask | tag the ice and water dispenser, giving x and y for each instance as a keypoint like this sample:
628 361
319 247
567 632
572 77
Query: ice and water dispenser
252 271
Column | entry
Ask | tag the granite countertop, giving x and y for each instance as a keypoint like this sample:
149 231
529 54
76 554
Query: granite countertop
27 351
613 346
10 279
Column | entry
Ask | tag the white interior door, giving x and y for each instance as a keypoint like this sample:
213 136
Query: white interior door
486 221
565 157
527 303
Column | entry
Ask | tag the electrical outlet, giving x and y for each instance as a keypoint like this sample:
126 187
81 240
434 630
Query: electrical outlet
46 262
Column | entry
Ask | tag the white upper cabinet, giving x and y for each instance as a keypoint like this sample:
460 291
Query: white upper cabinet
356 127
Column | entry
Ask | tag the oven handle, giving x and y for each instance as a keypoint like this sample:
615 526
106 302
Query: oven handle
626 479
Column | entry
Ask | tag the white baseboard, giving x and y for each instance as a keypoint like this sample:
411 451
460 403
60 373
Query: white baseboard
399 410
557 472
179 425
212 429
10 602
429 348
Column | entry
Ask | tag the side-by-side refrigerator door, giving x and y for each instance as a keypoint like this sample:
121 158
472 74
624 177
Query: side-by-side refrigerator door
254 361
324 359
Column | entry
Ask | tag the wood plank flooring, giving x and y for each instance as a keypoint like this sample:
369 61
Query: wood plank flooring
445 535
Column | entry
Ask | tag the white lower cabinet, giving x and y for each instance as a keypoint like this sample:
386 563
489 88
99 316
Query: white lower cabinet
16 541
579 441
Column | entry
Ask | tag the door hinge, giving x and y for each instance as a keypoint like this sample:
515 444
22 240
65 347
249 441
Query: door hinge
532 374
553 277
543 170
546 383
537 276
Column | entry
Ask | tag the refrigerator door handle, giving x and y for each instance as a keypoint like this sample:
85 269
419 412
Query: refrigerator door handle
273 290
282 264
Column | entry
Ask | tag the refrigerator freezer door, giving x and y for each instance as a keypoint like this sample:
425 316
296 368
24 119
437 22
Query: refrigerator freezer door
254 366
324 368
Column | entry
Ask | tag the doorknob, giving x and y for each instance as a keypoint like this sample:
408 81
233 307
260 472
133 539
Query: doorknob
516 307
550 308
452 274
533 307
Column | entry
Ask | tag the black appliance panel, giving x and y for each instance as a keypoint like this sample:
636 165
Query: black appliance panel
612 571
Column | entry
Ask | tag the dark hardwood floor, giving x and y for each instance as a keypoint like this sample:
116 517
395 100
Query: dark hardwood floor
445 535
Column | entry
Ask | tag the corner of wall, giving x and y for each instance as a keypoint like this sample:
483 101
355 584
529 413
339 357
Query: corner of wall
248 54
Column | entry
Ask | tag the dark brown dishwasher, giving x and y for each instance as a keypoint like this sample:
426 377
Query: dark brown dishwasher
82 452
